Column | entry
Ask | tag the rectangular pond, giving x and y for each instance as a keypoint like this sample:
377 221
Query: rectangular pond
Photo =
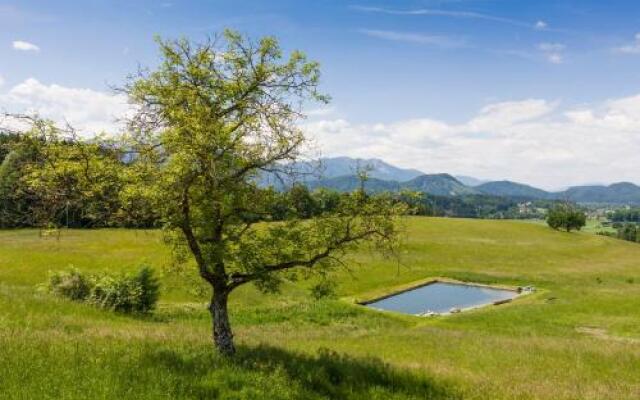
442 297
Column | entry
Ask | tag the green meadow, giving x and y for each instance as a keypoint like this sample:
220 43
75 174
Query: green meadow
577 337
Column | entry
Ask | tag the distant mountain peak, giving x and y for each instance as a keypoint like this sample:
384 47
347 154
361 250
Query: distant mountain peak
441 184
333 167
626 185
470 180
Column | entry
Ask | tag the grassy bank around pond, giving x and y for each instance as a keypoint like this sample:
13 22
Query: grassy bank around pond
577 338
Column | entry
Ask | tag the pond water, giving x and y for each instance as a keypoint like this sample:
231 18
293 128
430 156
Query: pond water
441 297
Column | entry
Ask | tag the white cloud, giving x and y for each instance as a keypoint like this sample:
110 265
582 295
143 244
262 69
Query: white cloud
552 52
555 58
632 48
87 110
1 81
21 45
582 117
532 141
433 40
444 13
540 25
320 112
505 114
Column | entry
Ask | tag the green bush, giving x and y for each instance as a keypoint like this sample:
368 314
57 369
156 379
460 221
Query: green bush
150 289
126 293
566 216
324 289
136 293
629 232
71 284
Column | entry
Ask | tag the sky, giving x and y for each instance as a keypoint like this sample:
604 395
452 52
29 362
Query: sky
541 92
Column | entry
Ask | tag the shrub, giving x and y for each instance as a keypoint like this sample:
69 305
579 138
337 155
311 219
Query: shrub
150 287
71 284
629 232
323 289
566 216
133 293
126 293
114 293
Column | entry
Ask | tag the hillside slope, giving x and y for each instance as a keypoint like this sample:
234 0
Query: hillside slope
439 185
350 183
576 338
341 166
617 193
435 184
512 189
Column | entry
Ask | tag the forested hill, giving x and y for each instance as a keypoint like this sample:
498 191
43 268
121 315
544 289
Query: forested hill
340 174
436 184
617 193
513 189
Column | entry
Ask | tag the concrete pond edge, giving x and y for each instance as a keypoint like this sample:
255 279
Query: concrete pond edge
378 295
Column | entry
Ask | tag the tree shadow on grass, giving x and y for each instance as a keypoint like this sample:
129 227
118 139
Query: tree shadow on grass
326 375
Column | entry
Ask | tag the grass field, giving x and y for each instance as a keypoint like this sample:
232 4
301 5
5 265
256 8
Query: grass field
592 225
595 226
578 337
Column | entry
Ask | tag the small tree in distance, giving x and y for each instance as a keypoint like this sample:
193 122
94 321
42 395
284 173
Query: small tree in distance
566 216
630 232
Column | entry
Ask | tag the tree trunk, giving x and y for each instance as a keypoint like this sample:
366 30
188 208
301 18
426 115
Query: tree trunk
222 335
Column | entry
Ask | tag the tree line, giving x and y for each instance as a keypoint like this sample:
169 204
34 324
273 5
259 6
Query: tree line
625 215
626 222
48 179
68 203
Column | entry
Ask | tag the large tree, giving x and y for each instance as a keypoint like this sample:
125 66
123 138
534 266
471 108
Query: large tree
209 120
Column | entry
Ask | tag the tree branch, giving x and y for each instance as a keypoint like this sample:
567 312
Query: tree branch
238 278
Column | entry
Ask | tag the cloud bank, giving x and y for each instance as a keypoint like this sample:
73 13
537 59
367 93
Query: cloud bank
89 111
535 141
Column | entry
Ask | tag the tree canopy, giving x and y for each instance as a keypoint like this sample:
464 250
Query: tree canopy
566 216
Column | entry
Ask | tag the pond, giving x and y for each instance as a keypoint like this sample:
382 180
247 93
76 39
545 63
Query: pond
442 297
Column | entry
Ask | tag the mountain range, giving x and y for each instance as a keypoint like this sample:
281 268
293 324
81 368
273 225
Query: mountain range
340 174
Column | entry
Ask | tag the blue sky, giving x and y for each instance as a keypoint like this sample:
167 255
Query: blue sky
491 88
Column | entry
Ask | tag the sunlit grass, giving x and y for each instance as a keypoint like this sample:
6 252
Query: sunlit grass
578 337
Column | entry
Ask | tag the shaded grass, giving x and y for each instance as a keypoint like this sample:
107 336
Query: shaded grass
80 369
